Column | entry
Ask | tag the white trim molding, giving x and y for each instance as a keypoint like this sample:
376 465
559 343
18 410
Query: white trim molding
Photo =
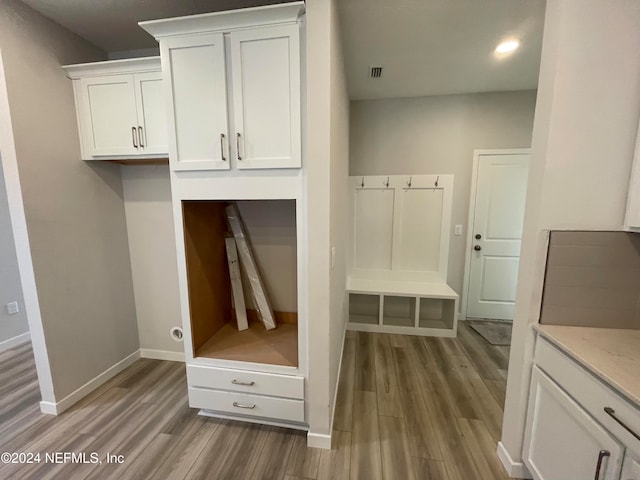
514 469
57 408
162 355
15 341
319 440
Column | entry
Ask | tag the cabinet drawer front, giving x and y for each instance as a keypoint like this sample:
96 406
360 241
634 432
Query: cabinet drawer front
591 393
246 381
247 405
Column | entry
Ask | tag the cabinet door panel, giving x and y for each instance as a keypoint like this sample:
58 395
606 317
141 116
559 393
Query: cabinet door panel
266 96
630 467
196 82
108 114
561 440
152 113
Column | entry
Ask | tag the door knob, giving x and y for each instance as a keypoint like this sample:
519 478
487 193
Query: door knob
477 248
478 236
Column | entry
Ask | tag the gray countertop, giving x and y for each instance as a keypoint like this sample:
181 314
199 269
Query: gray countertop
611 354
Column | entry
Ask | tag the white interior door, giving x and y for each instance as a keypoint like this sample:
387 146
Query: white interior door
501 189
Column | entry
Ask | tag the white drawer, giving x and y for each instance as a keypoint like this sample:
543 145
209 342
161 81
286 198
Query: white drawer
591 393
243 404
289 386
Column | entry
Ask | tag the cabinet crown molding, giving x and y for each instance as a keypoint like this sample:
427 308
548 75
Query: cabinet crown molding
113 67
225 21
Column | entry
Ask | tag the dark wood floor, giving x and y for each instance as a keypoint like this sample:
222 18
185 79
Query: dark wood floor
408 408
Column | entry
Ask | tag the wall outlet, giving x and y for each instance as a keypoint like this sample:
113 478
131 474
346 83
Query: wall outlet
457 230
12 308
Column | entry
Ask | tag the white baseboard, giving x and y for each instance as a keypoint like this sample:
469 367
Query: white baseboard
59 407
514 469
319 440
15 341
162 355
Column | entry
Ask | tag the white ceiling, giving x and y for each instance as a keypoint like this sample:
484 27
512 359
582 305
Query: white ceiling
439 47
427 47
112 25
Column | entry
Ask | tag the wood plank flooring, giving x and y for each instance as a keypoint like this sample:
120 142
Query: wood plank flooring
408 408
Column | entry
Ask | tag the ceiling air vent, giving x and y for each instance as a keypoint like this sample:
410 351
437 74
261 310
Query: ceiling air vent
375 72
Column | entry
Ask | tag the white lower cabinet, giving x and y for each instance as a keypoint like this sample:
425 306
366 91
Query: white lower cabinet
630 467
246 393
577 426
562 442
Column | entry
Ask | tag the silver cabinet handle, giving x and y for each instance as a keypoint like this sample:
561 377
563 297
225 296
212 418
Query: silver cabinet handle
238 145
242 405
612 413
134 136
246 384
141 137
601 456
222 147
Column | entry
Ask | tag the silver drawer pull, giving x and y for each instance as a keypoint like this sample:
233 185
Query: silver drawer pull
245 384
601 456
242 405
612 413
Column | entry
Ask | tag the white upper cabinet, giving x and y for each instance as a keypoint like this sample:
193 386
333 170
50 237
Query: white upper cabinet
233 82
120 107
196 80
266 97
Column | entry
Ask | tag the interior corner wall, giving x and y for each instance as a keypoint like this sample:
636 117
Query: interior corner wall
74 209
11 326
317 189
339 164
582 150
154 264
437 135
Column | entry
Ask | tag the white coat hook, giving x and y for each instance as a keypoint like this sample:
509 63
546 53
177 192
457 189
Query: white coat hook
409 182
362 184
437 180
387 184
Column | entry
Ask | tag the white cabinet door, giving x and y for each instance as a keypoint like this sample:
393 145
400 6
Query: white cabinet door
152 116
266 97
195 79
630 467
562 442
107 116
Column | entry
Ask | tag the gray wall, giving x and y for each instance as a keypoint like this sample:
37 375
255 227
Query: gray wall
74 210
592 280
437 135
10 290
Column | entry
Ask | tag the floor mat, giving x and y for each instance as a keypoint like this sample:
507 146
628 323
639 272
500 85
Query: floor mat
496 333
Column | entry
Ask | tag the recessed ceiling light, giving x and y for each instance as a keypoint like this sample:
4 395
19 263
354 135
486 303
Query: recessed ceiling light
508 46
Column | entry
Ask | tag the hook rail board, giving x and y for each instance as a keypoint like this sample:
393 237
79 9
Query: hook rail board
248 263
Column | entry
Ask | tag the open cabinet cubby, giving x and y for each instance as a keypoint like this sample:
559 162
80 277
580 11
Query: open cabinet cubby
271 228
364 309
399 311
403 314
